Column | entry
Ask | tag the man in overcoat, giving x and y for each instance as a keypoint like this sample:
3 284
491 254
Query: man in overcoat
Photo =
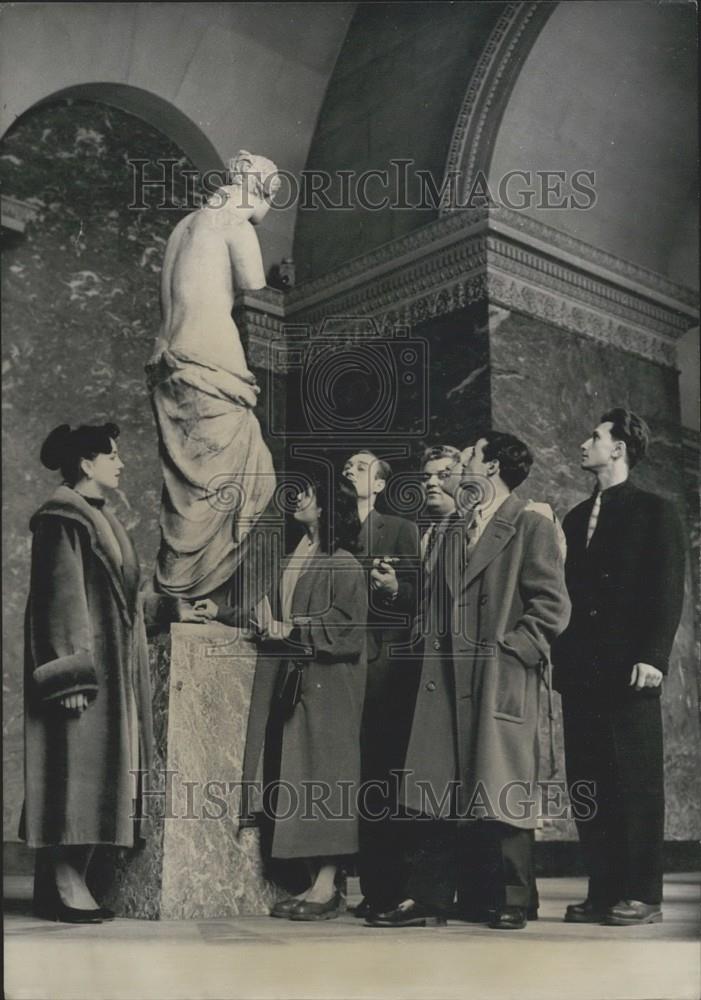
625 574
504 572
390 686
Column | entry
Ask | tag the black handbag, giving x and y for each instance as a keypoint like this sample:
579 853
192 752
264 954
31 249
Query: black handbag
288 688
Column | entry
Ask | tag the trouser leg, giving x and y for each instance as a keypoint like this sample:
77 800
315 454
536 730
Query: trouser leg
595 797
478 872
384 735
638 746
380 862
495 868
430 852
533 896
514 849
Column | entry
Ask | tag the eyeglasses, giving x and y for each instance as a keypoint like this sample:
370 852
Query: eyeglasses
441 476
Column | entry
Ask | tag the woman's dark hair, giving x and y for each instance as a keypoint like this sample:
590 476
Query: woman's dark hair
64 449
339 524
631 429
515 458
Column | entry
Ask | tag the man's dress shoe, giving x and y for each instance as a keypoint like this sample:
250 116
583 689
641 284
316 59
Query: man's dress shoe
485 916
364 909
509 918
284 907
411 915
584 913
304 910
631 912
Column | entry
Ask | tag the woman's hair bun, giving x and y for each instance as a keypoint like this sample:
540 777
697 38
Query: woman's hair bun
54 450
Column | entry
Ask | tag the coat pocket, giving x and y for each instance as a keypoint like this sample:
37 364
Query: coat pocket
510 695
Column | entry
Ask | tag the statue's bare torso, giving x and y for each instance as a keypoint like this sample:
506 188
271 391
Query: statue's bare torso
209 252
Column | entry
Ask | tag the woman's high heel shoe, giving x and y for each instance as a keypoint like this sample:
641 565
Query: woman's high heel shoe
49 906
304 910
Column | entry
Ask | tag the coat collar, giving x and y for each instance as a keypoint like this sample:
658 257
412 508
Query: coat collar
497 535
618 493
67 503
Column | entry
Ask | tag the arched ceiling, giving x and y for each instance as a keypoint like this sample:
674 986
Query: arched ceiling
244 75
611 87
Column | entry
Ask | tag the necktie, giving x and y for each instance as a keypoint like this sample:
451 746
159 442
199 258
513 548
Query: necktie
428 541
473 530
593 518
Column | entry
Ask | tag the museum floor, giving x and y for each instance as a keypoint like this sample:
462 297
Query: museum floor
252 957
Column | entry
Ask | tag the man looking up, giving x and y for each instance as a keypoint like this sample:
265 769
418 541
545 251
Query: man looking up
625 575
475 727
388 549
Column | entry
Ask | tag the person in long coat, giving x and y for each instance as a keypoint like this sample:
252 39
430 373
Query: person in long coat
473 750
88 727
298 753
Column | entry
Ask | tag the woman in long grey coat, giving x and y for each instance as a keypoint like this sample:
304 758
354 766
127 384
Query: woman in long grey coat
87 695
308 754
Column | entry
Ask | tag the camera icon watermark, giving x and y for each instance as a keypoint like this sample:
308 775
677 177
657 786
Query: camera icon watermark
350 379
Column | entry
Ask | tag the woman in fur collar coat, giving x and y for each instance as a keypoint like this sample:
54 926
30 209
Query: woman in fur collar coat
87 694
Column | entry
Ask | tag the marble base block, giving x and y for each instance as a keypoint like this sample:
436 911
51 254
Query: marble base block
195 862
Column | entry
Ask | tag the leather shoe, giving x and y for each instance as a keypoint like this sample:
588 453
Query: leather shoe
49 906
364 909
411 915
531 914
284 907
631 912
304 910
509 918
106 914
68 914
584 913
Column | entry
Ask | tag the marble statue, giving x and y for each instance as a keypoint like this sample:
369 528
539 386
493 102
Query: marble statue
218 475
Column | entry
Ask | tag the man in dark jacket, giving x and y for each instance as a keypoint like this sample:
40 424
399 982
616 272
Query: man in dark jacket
388 549
625 575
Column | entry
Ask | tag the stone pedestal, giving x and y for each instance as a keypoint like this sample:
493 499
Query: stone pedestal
195 863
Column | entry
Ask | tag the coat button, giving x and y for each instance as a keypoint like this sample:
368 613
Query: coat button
593 613
436 644
483 599
431 686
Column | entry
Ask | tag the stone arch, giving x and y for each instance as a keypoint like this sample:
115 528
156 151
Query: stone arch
151 108
488 93
610 88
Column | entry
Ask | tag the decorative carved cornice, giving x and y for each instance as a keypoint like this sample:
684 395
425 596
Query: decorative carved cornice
490 255
488 91
568 249
508 290
260 317
514 261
